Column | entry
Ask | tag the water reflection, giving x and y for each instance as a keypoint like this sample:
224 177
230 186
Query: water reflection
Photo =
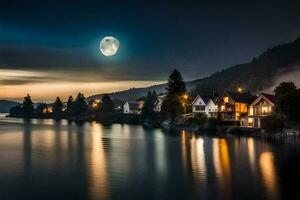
44 159
251 153
266 163
98 164
198 162
160 155
222 166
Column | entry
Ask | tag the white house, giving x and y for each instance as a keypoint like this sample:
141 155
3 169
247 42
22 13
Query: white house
205 105
133 107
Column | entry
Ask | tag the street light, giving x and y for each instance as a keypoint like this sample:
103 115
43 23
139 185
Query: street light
240 89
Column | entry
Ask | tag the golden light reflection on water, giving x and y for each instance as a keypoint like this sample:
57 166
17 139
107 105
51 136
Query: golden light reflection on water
221 161
11 158
198 162
108 164
98 179
183 136
251 153
267 166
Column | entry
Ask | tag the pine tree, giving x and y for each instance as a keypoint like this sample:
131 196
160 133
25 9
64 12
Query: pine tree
175 102
107 106
57 106
27 106
80 105
70 104
176 85
149 104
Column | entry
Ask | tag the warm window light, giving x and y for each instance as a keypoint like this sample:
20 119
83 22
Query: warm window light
95 104
251 111
50 110
226 99
222 108
265 109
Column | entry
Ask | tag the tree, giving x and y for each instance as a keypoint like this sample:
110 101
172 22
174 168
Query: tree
176 85
175 102
70 104
287 101
57 106
27 106
107 106
80 105
149 104
284 88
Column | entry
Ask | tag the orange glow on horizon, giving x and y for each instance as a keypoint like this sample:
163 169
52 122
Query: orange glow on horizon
47 91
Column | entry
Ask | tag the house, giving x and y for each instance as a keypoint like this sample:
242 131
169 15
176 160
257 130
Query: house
133 107
261 107
232 105
158 103
204 105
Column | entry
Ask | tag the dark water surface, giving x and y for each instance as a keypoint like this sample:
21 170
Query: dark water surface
44 159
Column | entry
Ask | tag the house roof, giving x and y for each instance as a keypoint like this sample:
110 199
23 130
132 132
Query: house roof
269 97
204 98
240 97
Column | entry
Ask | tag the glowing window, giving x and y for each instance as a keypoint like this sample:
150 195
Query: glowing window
251 111
222 108
226 99
265 109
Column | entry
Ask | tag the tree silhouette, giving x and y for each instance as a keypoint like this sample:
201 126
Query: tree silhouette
57 106
175 102
149 104
107 106
70 104
284 88
287 101
80 105
27 106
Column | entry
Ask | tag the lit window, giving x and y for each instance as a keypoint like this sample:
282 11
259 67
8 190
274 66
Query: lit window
226 99
265 109
251 111
222 107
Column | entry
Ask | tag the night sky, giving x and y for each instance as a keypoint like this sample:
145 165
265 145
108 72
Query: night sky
55 44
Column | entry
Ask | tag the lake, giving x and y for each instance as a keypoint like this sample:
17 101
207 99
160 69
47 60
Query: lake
47 159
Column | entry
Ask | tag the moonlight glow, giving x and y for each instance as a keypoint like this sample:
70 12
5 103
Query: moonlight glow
109 45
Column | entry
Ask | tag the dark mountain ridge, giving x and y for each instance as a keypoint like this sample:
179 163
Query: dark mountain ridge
5 105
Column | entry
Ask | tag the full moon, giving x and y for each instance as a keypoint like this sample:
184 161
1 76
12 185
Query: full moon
109 46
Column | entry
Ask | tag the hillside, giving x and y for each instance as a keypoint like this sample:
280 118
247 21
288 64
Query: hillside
259 74
5 105
135 93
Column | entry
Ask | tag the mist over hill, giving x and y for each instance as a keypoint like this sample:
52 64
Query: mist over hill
277 64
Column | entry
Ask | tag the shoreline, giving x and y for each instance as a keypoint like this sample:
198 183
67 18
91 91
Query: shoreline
218 130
